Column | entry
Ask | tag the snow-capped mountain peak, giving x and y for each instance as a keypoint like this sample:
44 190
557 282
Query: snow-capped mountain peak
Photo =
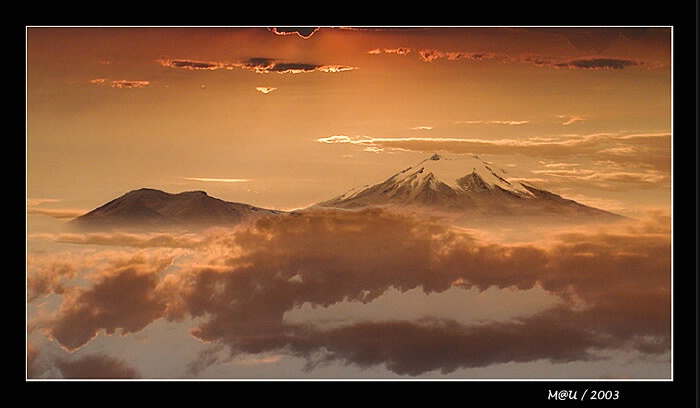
467 185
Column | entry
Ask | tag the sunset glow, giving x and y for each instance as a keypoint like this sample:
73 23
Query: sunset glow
178 128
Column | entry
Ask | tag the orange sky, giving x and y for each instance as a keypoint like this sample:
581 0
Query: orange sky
283 121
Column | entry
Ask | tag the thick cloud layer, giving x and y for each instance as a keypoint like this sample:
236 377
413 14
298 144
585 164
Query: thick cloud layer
613 285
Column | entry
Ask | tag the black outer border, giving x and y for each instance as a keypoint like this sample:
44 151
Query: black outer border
468 392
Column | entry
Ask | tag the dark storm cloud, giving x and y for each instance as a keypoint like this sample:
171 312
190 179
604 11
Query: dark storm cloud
614 290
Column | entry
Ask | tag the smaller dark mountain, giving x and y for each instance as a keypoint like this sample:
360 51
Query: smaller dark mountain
150 208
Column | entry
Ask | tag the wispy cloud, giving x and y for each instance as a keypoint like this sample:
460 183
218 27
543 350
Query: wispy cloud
596 39
429 55
129 84
493 122
258 65
303 32
217 180
336 68
640 159
123 239
267 65
570 120
38 201
399 51
195 65
532 146
591 63
265 89
649 179
60 213
594 63
120 83
56 213
544 147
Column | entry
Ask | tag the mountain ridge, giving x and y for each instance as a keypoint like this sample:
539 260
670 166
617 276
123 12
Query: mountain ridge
486 190
148 207
469 189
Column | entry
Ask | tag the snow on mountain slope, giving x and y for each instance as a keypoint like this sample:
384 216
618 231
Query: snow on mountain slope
466 185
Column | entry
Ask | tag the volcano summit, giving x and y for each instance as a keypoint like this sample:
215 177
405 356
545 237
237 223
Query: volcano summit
150 208
469 186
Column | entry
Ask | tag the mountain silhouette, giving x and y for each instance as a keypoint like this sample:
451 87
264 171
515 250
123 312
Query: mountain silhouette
466 188
149 208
